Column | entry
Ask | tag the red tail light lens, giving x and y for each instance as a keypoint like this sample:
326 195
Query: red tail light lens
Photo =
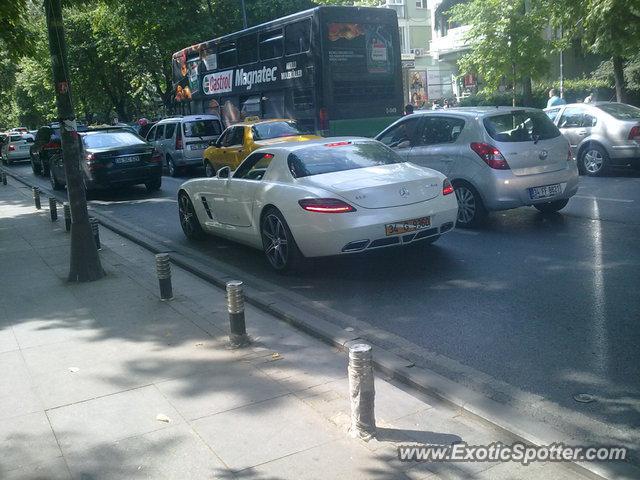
634 134
447 188
326 205
324 119
11 148
490 155
179 138
337 144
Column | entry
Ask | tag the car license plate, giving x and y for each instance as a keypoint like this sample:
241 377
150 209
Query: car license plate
197 146
407 226
133 159
536 193
24 147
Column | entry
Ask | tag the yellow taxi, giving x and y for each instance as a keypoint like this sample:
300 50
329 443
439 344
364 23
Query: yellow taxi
240 139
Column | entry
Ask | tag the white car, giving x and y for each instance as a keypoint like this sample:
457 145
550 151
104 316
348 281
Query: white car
319 198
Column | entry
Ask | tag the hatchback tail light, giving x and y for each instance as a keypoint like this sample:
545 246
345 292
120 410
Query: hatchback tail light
179 138
447 188
490 155
11 148
326 205
634 134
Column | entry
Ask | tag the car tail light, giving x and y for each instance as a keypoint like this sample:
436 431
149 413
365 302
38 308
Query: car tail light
569 155
490 155
324 119
92 162
11 148
447 188
179 138
634 134
326 205
337 144
155 156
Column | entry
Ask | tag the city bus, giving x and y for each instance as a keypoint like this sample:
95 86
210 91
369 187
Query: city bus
336 70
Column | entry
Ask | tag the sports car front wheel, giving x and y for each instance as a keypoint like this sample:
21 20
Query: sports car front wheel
278 243
188 219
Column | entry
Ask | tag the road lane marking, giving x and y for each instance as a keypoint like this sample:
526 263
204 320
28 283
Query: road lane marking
621 200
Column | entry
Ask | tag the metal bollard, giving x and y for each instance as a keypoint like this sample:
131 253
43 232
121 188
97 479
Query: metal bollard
96 231
235 305
4 178
361 392
36 197
163 269
67 216
53 209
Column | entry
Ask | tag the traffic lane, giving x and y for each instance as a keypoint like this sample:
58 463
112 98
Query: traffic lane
548 293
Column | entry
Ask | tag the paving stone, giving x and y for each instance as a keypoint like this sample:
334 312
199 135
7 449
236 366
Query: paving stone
52 470
26 440
171 453
8 341
259 433
106 419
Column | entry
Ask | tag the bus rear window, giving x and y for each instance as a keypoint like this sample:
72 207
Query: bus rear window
339 157
357 48
521 126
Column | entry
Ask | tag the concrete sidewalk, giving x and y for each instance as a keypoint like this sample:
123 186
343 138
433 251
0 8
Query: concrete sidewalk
90 374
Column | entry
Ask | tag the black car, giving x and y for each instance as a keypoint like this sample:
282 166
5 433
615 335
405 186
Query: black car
47 144
112 157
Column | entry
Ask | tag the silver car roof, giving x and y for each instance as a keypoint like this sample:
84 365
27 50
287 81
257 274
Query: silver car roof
472 111
190 118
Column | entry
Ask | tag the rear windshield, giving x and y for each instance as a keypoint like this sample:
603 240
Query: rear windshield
111 139
264 131
520 126
338 157
15 138
621 111
202 128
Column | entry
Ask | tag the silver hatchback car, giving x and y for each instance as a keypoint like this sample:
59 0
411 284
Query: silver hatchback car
181 141
602 134
497 158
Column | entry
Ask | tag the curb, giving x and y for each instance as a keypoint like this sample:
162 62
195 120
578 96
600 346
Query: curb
498 415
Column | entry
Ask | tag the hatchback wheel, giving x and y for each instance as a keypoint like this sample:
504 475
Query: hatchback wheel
594 160
188 219
171 167
209 171
471 211
55 184
37 169
278 243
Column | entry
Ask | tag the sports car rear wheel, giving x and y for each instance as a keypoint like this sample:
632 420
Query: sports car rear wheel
188 219
278 243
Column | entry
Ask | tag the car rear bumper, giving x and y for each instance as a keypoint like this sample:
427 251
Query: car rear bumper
130 176
507 190
18 155
319 234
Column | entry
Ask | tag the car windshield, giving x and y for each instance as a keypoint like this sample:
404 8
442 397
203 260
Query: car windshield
264 131
202 128
621 111
521 126
338 157
111 139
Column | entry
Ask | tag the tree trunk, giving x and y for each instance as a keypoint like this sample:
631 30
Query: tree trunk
618 75
527 98
85 263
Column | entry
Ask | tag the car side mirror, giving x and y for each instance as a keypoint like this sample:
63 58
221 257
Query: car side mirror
404 144
224 172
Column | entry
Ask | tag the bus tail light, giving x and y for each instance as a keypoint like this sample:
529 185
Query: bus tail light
325 205
323 117
179 138
490 155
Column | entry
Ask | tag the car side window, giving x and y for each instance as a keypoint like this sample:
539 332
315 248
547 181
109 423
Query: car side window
589 120
236 137
151 134
402 132
170 130
437 130
553 113
254 167
159 132
222 141
571 118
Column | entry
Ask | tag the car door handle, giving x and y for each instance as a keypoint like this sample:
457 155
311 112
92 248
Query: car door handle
582 132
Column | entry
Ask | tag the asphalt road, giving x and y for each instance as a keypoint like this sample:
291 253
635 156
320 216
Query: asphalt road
548 306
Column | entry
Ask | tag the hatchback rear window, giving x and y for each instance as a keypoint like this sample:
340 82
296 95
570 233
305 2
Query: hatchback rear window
338 157
520 126
111 139
202 128
621 111
15 138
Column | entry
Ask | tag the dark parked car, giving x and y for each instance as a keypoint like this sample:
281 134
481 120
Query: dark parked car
47 144
112 157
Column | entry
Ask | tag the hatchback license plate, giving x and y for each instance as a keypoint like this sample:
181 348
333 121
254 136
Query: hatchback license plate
536 193
405 226
134 159
24 147
197 146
